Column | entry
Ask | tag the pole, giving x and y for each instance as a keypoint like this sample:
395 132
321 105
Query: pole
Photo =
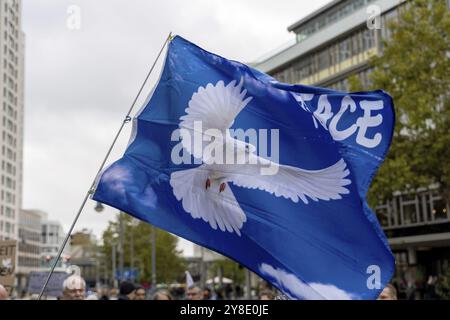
121 246
153 257
202 268
91 189
248 293
132 254
113 256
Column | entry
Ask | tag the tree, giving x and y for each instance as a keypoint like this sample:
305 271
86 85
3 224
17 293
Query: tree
230 270
443 286
137 250
414 69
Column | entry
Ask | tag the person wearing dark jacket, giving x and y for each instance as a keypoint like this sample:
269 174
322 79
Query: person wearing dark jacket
126 291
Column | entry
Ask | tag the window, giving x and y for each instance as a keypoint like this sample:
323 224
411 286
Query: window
324 59
368 39
344 50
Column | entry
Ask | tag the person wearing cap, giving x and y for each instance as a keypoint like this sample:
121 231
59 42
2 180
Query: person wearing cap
126 291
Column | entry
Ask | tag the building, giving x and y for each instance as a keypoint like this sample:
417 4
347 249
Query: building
86 255
332 44
12 43
52 237
29 246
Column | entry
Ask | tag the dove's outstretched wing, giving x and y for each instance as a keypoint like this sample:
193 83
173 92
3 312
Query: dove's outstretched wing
291 182
214 107
219 209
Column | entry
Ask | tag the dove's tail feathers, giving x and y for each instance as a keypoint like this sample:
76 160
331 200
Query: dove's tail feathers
324 184
219 209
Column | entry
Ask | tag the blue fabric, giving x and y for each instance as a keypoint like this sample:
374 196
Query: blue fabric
325 249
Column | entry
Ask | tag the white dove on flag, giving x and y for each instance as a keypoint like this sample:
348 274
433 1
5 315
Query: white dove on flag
204 190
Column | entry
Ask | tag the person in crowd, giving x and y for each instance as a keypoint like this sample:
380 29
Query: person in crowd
92 296
139 293
162 295
74 288
207 294
430 289
266 295
113 294
103 294
194 293
3 293
126 291
388 293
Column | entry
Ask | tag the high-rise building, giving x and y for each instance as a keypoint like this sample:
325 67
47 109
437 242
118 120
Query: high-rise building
12 45
332 44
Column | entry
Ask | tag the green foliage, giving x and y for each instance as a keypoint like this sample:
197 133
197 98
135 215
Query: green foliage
137 250
414 69
443 286
230 270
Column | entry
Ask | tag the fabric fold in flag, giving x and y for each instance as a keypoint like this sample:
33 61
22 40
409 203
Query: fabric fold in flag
270 174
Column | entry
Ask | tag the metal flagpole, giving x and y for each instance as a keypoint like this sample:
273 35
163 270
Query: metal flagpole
248 285
153 257
91 191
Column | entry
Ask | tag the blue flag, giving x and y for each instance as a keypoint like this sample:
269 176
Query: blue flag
269 174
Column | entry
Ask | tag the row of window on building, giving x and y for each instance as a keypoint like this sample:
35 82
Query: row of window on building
50 234
12 7
333 15
10 55
10 140
413 209
9 110
7 211
10 25
10 82
8 182
28 248
330 56
30 236
29 261
9 153
10 68
9 197
9 125
344 85
7 227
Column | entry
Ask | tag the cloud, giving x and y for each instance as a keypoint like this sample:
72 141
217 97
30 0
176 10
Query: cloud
298 289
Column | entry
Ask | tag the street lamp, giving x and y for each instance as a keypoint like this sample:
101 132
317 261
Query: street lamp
153 239
99 207
113 258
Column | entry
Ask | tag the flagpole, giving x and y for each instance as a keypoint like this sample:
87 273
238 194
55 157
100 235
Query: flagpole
91 191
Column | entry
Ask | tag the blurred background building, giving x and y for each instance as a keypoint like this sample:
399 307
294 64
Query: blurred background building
85 254
12 42
52 236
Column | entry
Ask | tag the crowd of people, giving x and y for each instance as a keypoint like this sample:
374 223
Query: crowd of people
74 288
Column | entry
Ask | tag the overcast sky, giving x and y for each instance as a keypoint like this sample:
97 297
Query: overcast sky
80 83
